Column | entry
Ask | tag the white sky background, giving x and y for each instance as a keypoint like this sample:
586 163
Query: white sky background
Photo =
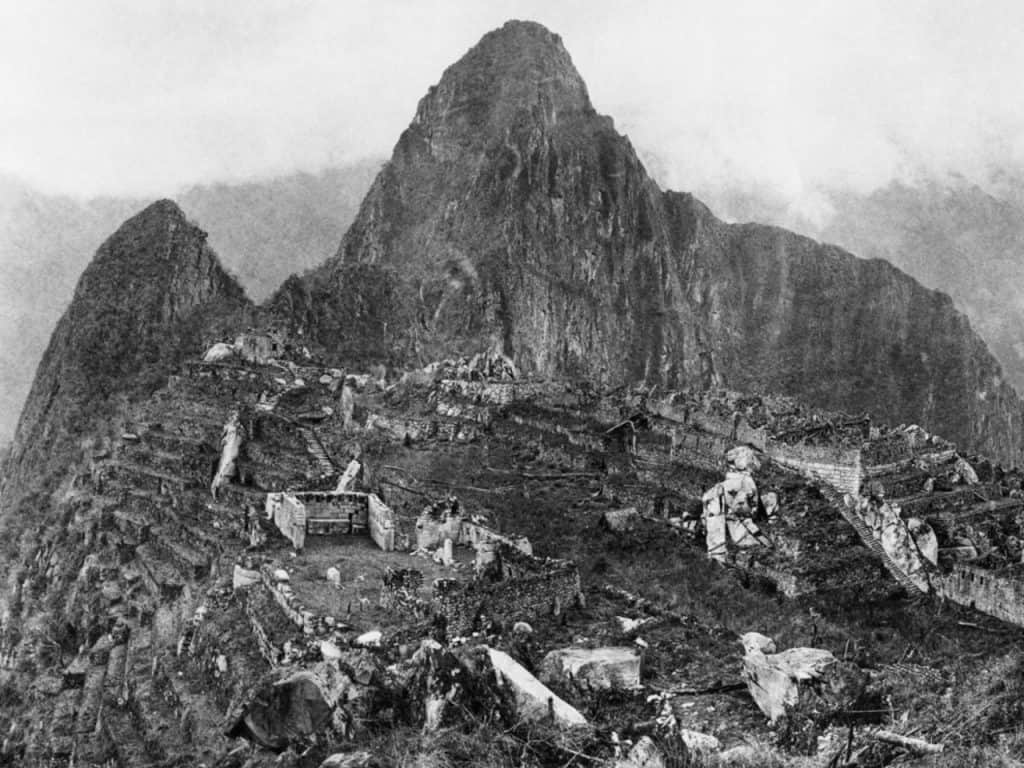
143 96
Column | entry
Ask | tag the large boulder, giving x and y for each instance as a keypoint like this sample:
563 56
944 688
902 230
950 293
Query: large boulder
803 688
593 668
534 700
287 707
278 713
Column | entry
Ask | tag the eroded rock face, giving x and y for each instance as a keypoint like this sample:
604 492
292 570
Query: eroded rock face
514 217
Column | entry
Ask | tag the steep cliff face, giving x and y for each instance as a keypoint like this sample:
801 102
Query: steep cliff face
952 236
513 216
150 291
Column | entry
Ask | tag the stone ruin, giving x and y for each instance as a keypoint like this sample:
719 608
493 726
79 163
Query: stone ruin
331 513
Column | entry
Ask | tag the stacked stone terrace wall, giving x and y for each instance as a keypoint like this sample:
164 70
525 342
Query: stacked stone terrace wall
724 427
270 647
893 448
995 593
580 437
500 392
700 449
222 379
480 414
418 430
837 467
293 608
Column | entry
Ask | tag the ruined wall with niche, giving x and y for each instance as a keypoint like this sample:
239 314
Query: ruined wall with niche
325 513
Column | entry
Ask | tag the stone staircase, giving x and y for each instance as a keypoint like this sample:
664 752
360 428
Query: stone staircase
315 448
866 537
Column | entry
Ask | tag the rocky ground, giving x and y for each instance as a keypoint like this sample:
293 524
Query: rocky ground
126 644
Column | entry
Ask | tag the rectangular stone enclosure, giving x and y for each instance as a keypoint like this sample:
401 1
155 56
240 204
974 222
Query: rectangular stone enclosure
330 513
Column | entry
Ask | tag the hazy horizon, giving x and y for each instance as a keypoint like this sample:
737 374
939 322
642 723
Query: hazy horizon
125 99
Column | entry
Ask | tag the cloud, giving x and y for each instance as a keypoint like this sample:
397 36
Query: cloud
794 97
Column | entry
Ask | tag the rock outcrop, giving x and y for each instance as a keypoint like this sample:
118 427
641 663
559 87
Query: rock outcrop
593 668
513 217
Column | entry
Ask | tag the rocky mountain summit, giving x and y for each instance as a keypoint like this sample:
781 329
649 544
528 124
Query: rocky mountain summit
512 216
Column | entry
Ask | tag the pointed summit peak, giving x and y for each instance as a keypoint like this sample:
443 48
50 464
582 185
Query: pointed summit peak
519 68
165 209
159 222
522 33
161 212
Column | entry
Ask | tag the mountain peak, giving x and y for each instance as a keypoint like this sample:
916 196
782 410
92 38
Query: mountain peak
165 208
519 68
139 308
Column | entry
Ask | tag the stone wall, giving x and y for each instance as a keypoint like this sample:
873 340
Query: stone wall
293 608
528 588
485 541
325 513
699 449
888 449
580 437
499 392
997 594
328 513
400 590
419 430
481 414
381 522
289 515
837 467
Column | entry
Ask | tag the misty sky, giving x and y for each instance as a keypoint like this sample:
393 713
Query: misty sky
141 97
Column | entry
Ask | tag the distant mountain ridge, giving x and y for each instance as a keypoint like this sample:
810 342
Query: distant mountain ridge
957 236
